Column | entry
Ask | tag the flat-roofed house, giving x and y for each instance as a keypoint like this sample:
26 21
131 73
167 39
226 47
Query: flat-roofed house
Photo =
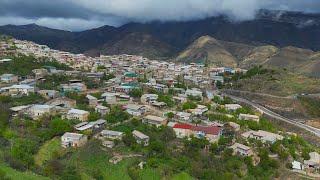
111 134
135 110
110 98
155 120
73 87
9 78
49 94
234 125
93 101
94 125
141 138
194 93
63 102
314 161
73 140
103 110
249 117
18 89
78 114
183 116
149 98
263 136
232 107
241 149
39 110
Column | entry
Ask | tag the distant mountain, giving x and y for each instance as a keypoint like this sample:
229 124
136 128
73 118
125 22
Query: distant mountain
208 50
138 44
277 28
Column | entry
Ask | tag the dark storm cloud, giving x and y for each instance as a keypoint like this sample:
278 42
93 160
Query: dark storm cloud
83 14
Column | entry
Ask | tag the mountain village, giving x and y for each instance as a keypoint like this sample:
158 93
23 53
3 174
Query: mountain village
127 89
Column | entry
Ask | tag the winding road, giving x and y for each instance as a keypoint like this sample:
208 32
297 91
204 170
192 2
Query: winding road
272 114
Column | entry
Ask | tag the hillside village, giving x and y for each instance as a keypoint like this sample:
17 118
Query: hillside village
130 107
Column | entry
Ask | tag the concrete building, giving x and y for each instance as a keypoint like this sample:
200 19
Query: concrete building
78 114
141 138
73 140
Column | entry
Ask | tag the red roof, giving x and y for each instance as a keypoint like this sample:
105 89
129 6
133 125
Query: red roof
214 130
182 126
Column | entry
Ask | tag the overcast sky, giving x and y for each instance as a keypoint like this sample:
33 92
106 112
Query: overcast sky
77 15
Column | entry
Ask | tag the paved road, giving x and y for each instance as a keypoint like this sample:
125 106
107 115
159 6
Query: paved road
266 111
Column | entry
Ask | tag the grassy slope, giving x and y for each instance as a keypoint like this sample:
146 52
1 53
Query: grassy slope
48 150
281 83
16 175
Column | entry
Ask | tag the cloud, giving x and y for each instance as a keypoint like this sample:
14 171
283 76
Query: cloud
83 14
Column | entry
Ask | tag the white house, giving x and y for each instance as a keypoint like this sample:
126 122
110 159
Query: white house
232 107
39 110
78 114
249 117
141 138
154 120
263 136
194 92
241 149
102 110
112 134
149 98
9 78
73 140
135 110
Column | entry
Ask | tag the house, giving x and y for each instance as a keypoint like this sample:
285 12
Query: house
19 110
40 73
73 87
63 102
296 165
49 94
149 98
159 104
212 133
110 98
235 126
39 110
18 89
78 114
200 110
154 120
108 144
135 110
111 134
9 78
94 125
241 149
73 140
217 79
264 136
182 130
102 110
249 117
232 107
93 101
194 93
183 116
141 138
314 161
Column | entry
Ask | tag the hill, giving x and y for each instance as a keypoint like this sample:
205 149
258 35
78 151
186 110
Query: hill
288 29
208 50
